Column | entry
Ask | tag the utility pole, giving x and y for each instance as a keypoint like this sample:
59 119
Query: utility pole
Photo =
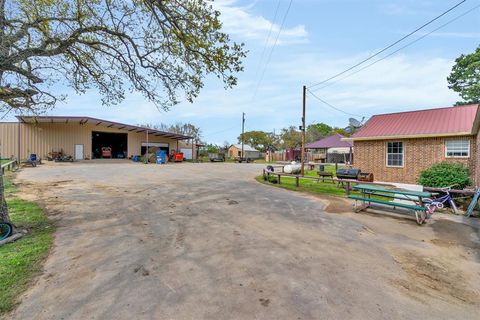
243 131
303 130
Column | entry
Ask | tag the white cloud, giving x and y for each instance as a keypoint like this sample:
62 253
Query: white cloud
240 21
401 82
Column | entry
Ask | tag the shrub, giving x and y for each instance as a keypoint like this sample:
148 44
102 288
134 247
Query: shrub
445 174
272 179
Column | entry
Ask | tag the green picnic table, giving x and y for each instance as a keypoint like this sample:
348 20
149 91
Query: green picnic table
370 192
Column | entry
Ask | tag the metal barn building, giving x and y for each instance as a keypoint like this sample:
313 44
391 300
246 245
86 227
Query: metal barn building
80 137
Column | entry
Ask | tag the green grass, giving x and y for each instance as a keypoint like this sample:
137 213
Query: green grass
22 260
307 185
311 186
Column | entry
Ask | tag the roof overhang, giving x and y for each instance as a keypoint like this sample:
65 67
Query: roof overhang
100 122
416 136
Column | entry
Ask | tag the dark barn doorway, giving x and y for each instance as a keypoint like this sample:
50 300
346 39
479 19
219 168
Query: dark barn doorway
116 141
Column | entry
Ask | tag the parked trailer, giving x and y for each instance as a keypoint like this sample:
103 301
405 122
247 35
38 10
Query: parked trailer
216 157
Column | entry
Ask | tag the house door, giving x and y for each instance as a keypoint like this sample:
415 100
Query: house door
79 152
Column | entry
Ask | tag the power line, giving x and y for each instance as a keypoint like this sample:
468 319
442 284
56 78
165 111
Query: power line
271 51
388 47
217 132
268 37
332 106
401 48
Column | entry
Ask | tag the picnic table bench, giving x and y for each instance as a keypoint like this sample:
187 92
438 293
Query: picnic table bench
416 197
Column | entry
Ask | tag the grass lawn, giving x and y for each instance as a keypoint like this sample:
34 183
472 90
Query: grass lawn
22 260
309 185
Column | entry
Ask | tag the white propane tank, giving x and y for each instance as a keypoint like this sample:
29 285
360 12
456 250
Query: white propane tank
293 168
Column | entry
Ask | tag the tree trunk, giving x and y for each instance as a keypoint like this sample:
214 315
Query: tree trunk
3 204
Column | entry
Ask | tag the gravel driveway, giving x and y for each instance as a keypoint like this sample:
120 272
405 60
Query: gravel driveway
206 241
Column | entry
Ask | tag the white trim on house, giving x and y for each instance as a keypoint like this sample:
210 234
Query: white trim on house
403 154
462 140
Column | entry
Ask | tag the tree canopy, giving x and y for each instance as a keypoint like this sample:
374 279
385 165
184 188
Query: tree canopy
186 129
465 77
317 131
290 138
259 140
160 48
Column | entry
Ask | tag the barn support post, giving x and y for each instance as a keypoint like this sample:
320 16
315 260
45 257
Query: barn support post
146 149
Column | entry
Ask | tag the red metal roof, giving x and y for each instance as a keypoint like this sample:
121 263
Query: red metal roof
333 141
432 122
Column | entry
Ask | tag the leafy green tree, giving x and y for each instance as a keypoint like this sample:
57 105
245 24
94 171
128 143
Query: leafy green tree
211 148
160 48
465 77
342 131
186 129
318 131
259 140
290 138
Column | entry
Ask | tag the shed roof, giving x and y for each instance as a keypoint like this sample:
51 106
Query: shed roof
449 121
98 122
333 141
246 147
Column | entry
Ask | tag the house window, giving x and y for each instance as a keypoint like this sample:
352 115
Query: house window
394 154
457 148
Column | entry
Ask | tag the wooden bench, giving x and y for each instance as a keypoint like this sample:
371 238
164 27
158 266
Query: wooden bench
414 196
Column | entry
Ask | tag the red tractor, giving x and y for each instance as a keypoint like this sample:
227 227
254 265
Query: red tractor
176 156
106 152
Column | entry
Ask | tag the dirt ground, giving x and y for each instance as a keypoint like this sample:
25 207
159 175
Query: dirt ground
206 241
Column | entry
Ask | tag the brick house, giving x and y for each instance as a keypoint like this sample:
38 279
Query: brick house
396 147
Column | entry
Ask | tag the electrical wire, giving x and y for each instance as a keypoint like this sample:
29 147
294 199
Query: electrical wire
6 113
271 50
388 47
332 106
221 131
399 49
268 37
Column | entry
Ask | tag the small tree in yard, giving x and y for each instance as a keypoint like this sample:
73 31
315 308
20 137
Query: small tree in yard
465 77
160 48
445 174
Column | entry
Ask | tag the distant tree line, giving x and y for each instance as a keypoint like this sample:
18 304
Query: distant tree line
290 137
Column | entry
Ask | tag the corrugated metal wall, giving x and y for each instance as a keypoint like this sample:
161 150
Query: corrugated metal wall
43 138
8 139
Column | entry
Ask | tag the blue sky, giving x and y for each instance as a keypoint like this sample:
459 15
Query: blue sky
319 39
